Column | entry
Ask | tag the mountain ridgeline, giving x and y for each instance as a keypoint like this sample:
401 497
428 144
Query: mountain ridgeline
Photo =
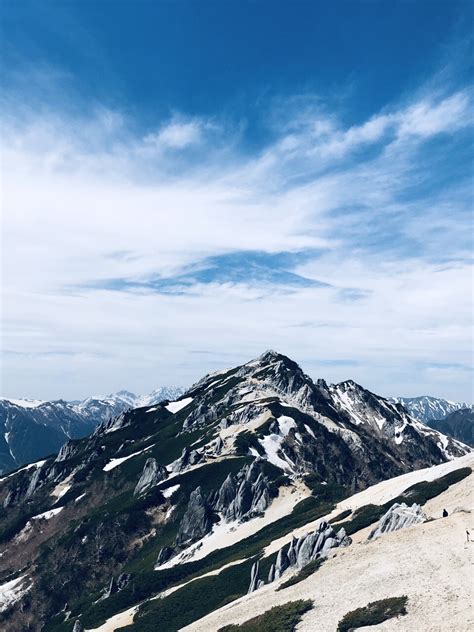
31 430
427 409
161 494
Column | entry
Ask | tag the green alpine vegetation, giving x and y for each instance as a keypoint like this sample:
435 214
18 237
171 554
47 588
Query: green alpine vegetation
373 613
278 619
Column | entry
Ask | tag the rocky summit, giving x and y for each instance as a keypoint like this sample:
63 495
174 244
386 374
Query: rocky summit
202 499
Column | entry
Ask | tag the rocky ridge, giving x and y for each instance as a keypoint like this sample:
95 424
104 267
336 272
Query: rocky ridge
156 487
31 430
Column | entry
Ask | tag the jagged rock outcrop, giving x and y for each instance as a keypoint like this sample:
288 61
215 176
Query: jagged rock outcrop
66 451
218 446
197 520
254 581
188 457
116 585
245 496
78 627
226 494
301 551
35 482
399 516
281 564
165 554
152 474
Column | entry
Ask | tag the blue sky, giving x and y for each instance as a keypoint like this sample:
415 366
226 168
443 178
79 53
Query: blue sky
189 183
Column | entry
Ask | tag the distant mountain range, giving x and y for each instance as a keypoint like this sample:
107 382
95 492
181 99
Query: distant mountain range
32 429
426 408
168 512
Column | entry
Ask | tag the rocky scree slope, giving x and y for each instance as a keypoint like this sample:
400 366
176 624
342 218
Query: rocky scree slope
163 494
31 430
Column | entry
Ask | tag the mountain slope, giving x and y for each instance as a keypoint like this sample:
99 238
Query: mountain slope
458 424
163 494
430 562
426 408
31 430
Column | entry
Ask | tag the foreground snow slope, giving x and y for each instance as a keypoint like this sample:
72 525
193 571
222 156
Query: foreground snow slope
431 563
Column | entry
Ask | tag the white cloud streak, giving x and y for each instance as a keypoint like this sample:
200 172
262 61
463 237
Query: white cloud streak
87 200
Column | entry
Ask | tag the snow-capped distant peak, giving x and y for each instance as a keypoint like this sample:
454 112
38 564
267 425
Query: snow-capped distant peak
24 403
426 408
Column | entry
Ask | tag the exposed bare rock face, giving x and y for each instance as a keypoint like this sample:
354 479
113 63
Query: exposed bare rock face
117 584
197 520
188 457
399 516
152 474
301 551
245 496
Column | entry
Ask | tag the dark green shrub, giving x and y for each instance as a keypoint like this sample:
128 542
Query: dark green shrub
363 517
278 619
373 613
344 514
305 572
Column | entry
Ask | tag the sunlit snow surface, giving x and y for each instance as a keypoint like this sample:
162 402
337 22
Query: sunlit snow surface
24 403
169 491
37 465
175 407
115 462
46 515
12 591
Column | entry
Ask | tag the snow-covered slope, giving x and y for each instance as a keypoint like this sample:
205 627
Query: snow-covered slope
425 408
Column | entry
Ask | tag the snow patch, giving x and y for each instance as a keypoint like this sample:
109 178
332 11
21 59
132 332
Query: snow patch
286 424
46 515
309 431
11 591
169 491
118 461
175 407
37 465
272 444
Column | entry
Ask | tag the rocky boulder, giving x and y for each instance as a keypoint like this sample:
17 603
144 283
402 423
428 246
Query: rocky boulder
399 516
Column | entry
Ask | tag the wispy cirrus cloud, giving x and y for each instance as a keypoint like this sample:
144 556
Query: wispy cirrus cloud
133 246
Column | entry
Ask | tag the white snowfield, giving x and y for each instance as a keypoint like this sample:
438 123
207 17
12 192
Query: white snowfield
24 403
46 515
175 407
36 465
169 491
12 591
113 463
431 563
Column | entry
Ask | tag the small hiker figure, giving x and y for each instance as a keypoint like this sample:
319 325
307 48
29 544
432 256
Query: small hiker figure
467 536
445 513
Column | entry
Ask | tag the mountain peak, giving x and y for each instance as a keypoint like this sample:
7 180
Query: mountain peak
270 355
